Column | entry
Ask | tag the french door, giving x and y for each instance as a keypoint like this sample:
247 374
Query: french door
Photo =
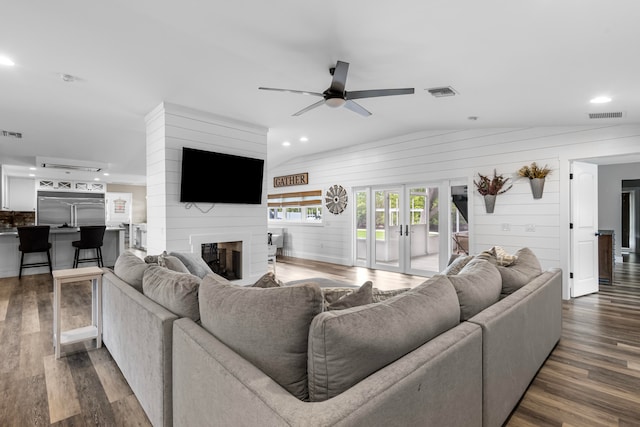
398 228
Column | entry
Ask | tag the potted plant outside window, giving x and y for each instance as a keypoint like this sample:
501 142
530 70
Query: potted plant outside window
490 187
536 177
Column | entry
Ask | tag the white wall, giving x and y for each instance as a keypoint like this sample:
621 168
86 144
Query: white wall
610 179
169 223
440 155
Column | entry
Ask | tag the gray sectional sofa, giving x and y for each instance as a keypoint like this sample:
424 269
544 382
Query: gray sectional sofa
458 350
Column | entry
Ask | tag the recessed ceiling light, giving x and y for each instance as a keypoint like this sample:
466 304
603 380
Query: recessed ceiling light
286 144
106 174
600 100
304 139
6 61
96 179
32 174
32 168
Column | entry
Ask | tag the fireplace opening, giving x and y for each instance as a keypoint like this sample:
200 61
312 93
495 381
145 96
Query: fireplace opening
224 258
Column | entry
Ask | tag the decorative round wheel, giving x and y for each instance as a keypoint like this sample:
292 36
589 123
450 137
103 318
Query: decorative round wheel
336 199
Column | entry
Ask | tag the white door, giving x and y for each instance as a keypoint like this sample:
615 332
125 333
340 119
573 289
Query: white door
584 236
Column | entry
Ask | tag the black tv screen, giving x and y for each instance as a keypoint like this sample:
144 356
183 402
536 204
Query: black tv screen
209 177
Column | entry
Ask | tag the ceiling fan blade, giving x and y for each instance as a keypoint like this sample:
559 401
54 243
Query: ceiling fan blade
339 80
310 107
353 106
301 92
359 94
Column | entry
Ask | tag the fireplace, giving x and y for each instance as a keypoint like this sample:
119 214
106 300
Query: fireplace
224 258
228 254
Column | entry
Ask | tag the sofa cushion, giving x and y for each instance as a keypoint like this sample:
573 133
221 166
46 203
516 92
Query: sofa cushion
268 280
177 292
269 327
522 271
345 346
361 296
130 268
194 263
457 265
478 286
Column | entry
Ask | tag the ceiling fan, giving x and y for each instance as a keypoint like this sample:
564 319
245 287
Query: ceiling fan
336 95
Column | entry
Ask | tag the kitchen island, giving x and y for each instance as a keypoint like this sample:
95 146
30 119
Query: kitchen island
61 251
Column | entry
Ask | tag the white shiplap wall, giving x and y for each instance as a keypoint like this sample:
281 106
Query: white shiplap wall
435 156
169 224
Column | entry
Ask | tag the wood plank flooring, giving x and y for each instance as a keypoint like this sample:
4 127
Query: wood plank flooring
592 378
84 388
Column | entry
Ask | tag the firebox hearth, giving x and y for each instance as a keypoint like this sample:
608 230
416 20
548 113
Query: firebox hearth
224 258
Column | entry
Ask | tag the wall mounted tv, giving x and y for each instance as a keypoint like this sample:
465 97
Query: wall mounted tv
209 177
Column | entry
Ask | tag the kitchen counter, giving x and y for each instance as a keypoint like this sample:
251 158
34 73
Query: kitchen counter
61 251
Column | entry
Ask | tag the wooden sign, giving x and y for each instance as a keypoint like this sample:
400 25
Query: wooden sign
288 180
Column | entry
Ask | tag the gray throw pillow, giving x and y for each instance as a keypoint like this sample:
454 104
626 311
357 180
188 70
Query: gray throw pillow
380 295
194 263
457 265
172 263
177 292
268 280
522 271
269 327
130 268
362 296
346 346
478 286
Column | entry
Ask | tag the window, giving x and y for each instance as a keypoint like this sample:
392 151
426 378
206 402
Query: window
302 207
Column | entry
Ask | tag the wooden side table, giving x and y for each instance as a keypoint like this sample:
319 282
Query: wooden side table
93 331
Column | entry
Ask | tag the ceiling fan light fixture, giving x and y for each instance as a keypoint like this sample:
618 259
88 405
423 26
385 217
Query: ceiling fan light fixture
335 102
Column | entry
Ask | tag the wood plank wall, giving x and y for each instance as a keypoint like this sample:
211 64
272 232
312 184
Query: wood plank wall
436 156
169 225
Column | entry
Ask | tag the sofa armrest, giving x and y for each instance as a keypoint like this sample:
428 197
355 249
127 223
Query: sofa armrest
440 383
518 334
138 334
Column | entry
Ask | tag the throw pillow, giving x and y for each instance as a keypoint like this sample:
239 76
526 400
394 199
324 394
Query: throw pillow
177 292
522 271
172 263
194 263
503 257
268 281
457 265
478 286
130 268
269 327
362 296
379 295
348 345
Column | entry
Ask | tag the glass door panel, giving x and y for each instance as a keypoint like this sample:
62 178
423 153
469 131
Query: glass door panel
386 247
362 241
424 234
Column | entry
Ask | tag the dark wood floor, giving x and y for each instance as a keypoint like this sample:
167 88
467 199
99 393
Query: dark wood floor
592 378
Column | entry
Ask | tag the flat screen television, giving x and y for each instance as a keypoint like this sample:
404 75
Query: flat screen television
209 177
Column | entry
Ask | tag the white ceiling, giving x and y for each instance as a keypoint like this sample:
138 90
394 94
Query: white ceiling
513 63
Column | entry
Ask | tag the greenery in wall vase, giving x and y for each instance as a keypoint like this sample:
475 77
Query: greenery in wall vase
490 187
536 177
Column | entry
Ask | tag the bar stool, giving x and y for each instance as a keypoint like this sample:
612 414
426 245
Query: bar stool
34 239
91 237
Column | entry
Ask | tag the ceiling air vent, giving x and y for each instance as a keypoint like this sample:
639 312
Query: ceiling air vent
10 134
614 115
72 167
440 92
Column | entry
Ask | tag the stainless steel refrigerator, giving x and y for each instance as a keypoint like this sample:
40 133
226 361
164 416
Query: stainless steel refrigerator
60 209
